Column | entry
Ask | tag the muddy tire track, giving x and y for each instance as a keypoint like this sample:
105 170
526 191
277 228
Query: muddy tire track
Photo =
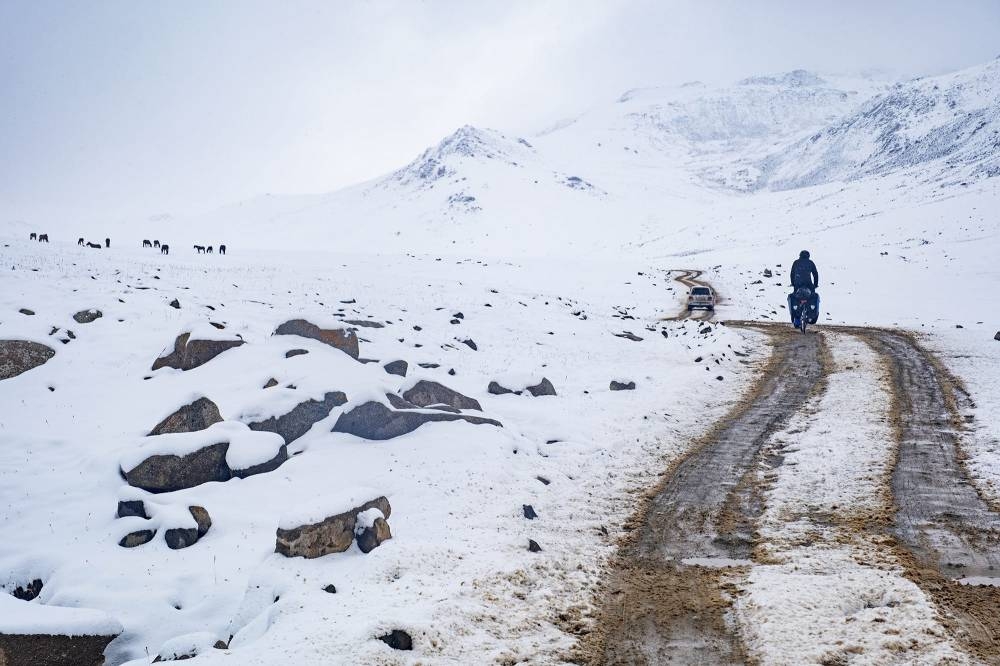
944 528
661 606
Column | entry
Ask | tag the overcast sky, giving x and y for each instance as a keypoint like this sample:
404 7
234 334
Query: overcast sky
126 107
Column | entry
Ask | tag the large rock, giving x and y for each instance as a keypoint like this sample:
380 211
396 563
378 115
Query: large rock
167 473
87 316
425 393
334 534
373 420
297 422
137 538
621 386
190 353
192 417
17 356
495 388
341 338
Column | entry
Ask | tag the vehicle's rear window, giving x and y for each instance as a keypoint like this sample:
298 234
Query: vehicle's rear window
701 291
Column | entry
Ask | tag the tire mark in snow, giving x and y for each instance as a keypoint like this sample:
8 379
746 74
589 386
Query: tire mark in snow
661 610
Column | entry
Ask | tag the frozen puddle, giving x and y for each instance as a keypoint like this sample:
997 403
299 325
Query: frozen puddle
715 562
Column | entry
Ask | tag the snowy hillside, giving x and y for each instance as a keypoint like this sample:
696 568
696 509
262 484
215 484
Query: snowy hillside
949 125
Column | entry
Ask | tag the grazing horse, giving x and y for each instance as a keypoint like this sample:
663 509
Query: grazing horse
209 249
79 241
43 238
200 249
156 243
222 249
146 243
164 249
33 236
96 246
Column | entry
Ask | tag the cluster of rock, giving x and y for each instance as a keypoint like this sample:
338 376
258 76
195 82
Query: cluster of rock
366 523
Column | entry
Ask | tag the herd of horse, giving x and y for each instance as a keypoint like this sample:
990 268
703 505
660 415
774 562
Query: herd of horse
164 248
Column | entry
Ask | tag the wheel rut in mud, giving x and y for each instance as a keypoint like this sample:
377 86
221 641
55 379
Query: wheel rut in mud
667 601
946 530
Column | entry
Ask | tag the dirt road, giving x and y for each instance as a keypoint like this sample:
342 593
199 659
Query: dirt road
689 278
669 599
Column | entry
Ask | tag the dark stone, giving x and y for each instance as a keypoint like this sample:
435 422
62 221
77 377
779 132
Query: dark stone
544 481
217 325
295 352
496 389
533 546
340 338
29 591
192 417
543 387
373 420
128 508
175 304
333 534
397 639
221 645
17 356
189 354
429 366
26 311
271 382
364 324
297 422
137 538
698 360
200 515
332 589
705 330
87 316
471 343
628 335
181 537
767 272
529 511
397 368
167 473
372 537
426 393
997 336
52 650
622 386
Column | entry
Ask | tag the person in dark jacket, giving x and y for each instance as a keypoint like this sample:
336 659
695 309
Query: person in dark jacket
804 276
804 273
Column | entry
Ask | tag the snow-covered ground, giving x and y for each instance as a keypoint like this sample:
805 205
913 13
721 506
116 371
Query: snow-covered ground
457 574
548 246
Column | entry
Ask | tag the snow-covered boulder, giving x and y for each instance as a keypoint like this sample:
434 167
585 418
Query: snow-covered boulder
300 419
17 356
374 420
220 452
340 338
33 634
197 346
186 647
194 416
426 393
371 530
329 526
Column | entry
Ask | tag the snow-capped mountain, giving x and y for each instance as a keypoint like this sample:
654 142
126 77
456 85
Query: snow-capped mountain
949 125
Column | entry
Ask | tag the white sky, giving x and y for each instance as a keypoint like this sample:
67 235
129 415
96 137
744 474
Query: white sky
121 108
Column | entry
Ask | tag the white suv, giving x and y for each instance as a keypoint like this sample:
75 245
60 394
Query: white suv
701 297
